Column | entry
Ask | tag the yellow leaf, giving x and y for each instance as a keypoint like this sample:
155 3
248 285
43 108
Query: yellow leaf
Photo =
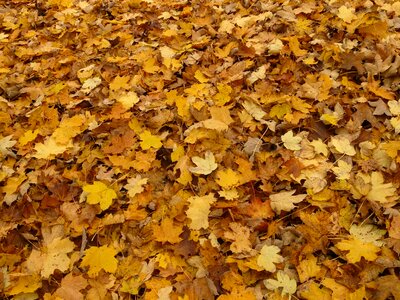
226 26
68 129
283 281
100 258
221 114
367 233
177 153
380 191
128 100
120 82
90 84
227 178
285 201
223 95
320 147
167 232
98 192
308 268
50 149
200 76
150 66
358 249
204 165
5 143
25 284
342 171
346 14
313 291
290 141
240 237
149 141
342 145
269 257
338 291
135 185
28 136
55 256
294 46
199 208
280 110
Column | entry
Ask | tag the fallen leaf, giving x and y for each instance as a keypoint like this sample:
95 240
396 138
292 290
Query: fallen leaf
99 193
100 258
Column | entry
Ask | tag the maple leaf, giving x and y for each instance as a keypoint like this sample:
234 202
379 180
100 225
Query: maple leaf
71 286
120 82
6 143
149 141
342 145
98 192
308 268
240 236
26 284
342 171
254 110
28 136
269 257
135 185
128 100
314 291
320 147
227 178
291 142
346 14
380 191
55 256
90 84
100 258
199 208
357 249
367 233
285 201
204 165
50 148
283 281
167 232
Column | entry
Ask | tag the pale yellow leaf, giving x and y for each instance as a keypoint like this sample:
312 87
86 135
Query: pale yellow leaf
285 201
204 165
268 257
198 211
290 141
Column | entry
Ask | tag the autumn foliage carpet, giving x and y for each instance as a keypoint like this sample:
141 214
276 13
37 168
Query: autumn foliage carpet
199 149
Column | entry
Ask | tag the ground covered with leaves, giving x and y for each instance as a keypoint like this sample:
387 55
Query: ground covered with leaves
199 149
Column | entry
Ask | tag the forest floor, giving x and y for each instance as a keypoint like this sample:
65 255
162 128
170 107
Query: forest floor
199 149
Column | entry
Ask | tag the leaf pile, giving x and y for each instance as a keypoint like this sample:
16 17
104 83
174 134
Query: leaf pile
199 149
